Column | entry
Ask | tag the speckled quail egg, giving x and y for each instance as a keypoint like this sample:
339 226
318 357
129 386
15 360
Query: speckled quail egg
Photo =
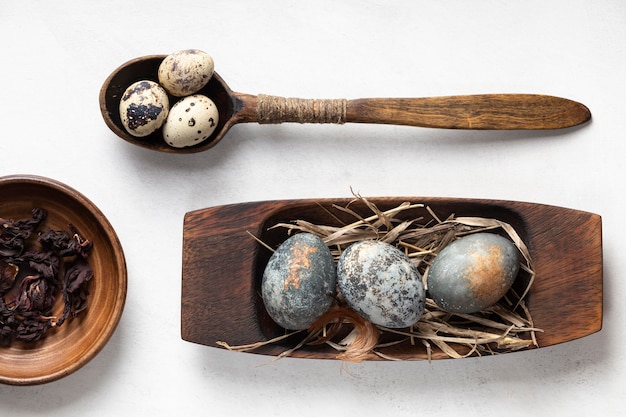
184 73
299 281
144 107
473 272
380 282
190 121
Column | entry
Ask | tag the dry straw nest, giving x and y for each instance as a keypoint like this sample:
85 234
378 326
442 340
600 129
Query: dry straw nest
504 327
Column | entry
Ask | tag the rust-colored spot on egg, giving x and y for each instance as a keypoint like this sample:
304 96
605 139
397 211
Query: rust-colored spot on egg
473 272
299 261
485 274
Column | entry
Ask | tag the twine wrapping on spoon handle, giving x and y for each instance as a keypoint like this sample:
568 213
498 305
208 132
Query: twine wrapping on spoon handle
273 109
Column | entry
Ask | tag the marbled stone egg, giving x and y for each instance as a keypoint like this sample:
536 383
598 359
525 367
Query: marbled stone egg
380 282
184 73
144 107
299 281
473 272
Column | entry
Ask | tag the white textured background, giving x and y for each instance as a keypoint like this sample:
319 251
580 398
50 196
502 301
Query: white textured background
56 54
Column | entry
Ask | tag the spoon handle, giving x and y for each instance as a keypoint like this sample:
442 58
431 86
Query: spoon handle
482 111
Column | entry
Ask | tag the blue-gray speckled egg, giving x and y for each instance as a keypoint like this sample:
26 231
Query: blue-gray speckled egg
379 282
473 272
299 281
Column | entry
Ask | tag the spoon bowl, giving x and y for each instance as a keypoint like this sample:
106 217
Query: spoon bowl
146 68
476 112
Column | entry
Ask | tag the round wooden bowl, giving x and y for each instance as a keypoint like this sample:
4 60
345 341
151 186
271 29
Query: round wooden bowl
67 348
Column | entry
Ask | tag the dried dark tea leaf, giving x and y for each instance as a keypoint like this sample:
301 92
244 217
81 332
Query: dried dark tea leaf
36 268
8 273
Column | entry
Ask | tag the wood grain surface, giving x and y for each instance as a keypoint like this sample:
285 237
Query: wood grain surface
480 111
223 265
66 349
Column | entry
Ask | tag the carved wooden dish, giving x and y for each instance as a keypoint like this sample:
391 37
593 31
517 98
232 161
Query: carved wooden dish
69 347
223 266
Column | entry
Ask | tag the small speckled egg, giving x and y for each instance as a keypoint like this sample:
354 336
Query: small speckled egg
298 281
380 282
190 121
143 108
185 72
473 273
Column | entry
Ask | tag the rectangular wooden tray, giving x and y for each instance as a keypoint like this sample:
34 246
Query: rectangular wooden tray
223 266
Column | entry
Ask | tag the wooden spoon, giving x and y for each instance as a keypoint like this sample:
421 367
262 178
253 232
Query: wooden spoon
484 111
223 268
